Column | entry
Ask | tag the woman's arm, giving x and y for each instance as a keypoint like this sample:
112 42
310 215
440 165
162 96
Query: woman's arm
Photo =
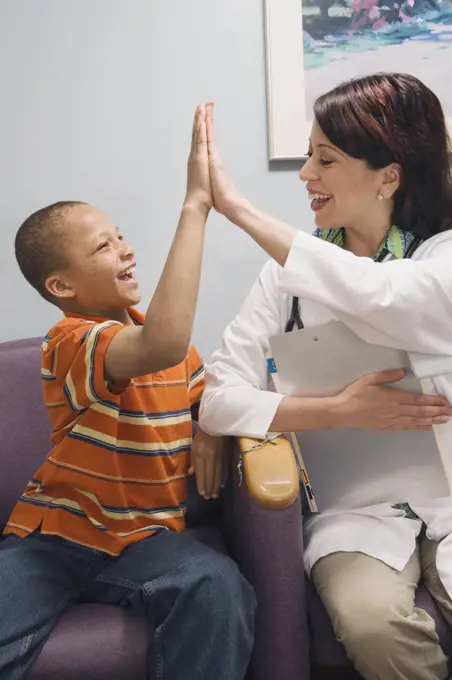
237 402
406 304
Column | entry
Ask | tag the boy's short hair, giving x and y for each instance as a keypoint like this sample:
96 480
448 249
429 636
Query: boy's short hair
39 246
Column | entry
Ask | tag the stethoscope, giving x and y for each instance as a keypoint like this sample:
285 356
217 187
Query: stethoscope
295 318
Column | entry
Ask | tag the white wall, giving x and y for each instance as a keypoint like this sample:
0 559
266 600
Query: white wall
97 103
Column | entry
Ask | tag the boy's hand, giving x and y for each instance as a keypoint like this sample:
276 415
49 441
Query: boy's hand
199 193
208 463
225 196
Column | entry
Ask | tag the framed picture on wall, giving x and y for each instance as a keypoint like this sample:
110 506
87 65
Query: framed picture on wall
313 45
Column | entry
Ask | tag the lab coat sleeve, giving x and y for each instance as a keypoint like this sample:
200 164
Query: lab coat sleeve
236 400
405 304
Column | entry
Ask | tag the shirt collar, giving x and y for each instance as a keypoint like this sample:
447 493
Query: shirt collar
396 243
134 314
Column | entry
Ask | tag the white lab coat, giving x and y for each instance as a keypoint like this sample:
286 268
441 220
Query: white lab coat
406 304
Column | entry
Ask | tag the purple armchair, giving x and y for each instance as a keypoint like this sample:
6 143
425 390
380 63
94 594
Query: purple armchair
95 642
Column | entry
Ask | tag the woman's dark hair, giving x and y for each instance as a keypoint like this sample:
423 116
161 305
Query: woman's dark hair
394 118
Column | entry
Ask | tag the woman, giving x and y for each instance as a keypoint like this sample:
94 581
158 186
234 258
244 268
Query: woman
379 179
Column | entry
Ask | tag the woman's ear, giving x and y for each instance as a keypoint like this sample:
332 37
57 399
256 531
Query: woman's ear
392 179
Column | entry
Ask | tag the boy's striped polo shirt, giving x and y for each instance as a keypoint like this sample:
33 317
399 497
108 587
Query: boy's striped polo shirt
118 469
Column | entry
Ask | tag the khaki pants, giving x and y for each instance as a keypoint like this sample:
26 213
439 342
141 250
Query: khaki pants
372 610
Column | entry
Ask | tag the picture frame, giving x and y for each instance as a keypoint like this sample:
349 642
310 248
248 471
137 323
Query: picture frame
288 129
420 44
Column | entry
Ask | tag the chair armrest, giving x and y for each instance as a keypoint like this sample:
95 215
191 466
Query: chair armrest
268 546
270 472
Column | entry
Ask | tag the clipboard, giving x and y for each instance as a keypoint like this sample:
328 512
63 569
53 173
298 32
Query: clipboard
349 469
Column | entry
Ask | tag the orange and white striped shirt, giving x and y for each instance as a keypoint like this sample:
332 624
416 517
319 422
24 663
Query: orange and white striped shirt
118 470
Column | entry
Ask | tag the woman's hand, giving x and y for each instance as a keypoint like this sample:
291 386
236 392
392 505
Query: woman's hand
199 193
226 198
208 463
370 404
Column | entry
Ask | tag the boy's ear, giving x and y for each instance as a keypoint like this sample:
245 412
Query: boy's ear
59 286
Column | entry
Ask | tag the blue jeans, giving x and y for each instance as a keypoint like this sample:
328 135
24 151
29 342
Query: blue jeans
169 578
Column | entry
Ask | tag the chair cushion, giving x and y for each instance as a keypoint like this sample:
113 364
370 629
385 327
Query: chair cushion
95 642
327 651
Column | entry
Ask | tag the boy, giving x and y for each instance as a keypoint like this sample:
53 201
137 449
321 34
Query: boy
102 519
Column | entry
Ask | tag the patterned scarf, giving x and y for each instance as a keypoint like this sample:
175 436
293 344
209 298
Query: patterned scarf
397 241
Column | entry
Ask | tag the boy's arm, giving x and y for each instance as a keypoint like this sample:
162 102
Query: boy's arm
164 339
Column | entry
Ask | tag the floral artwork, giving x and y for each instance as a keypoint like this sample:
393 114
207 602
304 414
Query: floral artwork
313 45
345 38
